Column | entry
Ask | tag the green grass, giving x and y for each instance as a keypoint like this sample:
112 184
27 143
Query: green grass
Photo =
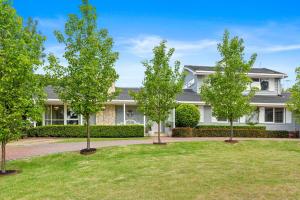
68 140
197 170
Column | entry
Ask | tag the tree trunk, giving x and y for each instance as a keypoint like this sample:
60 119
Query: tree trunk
231 129
3 159
158 134
88 139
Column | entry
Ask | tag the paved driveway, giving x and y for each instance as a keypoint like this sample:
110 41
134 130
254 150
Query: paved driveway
42 146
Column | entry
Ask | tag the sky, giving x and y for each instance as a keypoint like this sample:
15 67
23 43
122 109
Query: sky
194 28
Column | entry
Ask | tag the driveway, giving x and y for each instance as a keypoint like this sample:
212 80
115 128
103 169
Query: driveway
42 146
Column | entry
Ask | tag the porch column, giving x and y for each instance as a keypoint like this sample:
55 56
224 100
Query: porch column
124 114
65 114
34 123
174 118
43 122
81 120
144 124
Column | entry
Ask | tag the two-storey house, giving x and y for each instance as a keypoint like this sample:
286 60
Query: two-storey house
270 102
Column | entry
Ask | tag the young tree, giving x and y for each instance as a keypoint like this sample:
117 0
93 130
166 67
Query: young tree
87 80
161 85
224 90
294 101
21 91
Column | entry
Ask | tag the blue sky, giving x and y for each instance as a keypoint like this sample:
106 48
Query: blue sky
269 28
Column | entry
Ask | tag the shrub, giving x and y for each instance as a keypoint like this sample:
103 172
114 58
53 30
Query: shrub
187 115
225 132
182 132
109 131
228 127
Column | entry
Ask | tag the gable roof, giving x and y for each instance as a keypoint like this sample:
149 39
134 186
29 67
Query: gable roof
195 68
187 95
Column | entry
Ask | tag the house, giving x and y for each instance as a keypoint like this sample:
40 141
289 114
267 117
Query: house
270 102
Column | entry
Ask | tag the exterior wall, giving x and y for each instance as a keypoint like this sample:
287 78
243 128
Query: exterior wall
132 116
107 116
288 125
190 78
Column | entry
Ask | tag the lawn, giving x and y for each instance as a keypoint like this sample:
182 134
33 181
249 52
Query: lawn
187 170
68 140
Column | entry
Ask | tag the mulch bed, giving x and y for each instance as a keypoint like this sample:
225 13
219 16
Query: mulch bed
10 172
231 141
88 151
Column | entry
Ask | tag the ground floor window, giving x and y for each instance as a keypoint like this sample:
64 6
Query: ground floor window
72 117
60 115
274 115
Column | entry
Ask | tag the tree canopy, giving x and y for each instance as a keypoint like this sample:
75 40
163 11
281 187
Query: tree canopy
86 82
294 102
161 84
21 90
227 90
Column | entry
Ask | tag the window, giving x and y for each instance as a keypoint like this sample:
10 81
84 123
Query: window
221 119
57 114
269 114
72 117
264 84
279 113
275 115
255 79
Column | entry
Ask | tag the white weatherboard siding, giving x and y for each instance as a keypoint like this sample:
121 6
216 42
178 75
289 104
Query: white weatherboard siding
288 116
201 113
261 117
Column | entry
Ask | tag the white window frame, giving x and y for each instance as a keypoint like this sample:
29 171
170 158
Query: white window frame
273 122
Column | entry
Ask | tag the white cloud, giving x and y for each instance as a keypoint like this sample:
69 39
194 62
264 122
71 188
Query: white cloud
143 45
277 48
51 23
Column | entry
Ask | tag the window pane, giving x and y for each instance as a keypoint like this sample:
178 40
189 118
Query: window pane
264 84
75 122
57 122
48 112
269 114
58 112
71 114
222 119
279 115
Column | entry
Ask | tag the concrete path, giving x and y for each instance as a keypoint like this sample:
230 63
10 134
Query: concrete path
42 146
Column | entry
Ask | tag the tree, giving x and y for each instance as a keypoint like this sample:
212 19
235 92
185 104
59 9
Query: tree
224 90
21 90
294 101
86 83
187 115
161 84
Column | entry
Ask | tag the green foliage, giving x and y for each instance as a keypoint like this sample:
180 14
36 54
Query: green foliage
182 132
121 131
224 90
86 83
187 115
226 132
161 84
294 102
21 90
215 127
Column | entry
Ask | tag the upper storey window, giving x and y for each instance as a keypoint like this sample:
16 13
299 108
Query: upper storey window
261 84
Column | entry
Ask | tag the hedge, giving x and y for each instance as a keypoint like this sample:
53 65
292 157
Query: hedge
108 131
228 127
217 132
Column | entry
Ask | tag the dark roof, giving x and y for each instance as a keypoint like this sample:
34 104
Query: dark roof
253 70
271 99
186 95
50 93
